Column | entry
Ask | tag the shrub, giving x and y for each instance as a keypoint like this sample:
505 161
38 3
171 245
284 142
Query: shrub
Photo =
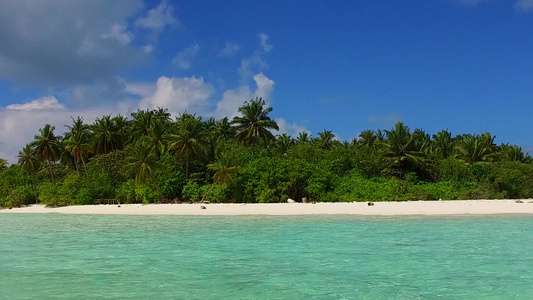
146 194
48 194
126 192
192 192
85 196
22 195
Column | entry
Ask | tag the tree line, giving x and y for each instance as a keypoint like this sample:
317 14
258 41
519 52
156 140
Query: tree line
153 158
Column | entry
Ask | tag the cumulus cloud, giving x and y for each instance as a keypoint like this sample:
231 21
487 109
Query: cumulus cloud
189 94
230 49
65 42
255 63
19 124
291 129
265 44
158 17
234 98
119 33
44 103
184 58
524 5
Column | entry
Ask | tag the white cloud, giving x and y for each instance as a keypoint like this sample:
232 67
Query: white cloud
230 49
119 33
44 103
255 63
19 126
265 45
142 89
158 17
183 59
291 129
20 122
189 94
524 5
265 87
233 99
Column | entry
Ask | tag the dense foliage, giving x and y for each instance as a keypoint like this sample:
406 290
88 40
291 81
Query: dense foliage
152 158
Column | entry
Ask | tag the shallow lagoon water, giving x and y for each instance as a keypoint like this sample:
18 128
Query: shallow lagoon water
265 257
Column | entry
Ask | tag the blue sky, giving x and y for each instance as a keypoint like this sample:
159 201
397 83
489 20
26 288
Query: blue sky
345 66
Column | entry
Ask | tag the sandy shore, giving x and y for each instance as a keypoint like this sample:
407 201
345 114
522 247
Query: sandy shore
466 207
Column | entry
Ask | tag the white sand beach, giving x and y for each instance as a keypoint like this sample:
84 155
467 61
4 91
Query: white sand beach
463 207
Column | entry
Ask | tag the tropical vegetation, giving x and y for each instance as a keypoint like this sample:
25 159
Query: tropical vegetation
152 158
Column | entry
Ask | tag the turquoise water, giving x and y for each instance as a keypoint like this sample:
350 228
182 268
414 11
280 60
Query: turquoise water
312 257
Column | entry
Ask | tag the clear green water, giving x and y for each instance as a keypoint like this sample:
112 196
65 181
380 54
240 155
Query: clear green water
177 257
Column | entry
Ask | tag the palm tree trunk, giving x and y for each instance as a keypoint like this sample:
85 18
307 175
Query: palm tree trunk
159 191
86 173
50 168
208 192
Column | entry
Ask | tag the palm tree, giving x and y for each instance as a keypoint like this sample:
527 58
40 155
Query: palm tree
189 140
141 123
225 173
284 143
158 137
368 138
122 127
401 148
106 137
77 127
212 139
254 124
162 114
48 146
3 166
515 153
78 145
303 137
326 139
475 149
421 140
29 163
223 129
143 164
443 143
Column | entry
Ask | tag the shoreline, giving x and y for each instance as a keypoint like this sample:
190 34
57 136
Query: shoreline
401 208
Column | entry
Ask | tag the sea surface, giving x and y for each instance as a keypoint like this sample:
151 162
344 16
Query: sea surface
265 257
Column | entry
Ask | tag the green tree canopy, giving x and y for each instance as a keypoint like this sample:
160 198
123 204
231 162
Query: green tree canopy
254 124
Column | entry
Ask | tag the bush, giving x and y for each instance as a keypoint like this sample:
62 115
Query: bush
170 178
146 194
192 192
22 195
219 194
85 196
48 194
102 185
126 192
